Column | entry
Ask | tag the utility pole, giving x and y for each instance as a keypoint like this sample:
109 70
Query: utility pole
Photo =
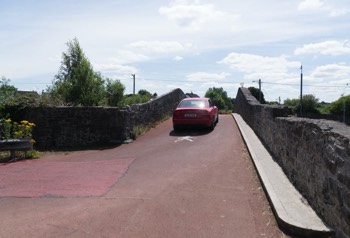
133 75
301 90
344 112
260 91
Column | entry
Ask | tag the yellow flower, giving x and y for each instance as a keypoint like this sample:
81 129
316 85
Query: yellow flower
24 122
8 120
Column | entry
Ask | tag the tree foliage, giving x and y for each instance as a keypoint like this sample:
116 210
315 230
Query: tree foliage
114 92
76 81
255 92
135 99
291 102
6 90
310 104
220 98
337 107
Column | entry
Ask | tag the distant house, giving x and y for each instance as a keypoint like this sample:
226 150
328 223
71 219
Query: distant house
28 94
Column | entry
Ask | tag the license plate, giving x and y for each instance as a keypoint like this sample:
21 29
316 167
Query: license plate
190 115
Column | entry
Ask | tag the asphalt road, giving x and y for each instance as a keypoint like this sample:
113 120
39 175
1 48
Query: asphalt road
165 184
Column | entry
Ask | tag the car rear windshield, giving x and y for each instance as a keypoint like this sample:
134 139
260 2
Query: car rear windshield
193 103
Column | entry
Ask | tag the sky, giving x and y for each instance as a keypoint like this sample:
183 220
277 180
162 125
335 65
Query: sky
189 44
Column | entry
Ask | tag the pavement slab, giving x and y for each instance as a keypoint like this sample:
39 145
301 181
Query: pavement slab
60 177
293 213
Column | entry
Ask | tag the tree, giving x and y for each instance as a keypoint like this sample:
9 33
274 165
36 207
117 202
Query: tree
76 81
144 92
114 92
337 107
255 92
7 95
220 98
6 90
310 104
291 102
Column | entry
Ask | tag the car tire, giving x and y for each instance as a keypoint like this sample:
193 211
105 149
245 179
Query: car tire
212 126
176 127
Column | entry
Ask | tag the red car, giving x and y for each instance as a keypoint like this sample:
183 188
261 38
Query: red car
196 111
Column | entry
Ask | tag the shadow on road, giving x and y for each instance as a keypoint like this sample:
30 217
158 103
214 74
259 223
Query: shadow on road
190 132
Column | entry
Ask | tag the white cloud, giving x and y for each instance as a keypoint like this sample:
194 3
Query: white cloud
330 8
331 72
160 47
127 57
203 76
117 69
310 5
332 47
178 58
256 66
196 16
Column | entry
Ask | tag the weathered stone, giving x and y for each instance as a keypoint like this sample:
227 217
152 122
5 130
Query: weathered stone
315 156
67 127
344 179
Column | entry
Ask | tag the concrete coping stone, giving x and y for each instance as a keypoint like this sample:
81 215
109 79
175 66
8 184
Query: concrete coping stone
293 213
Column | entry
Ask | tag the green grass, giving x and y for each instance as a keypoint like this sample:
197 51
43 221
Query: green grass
5 156
139 130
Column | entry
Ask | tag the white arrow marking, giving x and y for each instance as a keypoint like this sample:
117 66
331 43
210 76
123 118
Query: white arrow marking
188 138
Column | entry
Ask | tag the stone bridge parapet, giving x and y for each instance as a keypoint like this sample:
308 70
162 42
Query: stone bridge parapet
314 154
80 127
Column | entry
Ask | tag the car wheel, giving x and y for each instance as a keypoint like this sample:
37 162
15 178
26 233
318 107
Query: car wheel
217 120
176 127
212 126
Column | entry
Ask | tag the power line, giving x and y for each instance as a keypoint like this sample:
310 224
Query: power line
309 85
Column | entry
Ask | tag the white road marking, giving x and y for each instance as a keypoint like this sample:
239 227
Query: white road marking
187 138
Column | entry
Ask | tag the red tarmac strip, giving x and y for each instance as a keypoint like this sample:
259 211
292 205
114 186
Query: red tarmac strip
60 177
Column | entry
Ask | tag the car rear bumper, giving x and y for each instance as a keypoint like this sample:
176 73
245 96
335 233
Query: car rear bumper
192 122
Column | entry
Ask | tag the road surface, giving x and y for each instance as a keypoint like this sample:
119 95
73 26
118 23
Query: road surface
164 184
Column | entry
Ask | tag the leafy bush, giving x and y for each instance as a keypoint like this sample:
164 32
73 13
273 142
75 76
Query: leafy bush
337 107
310 104
255 92
220 98
134 99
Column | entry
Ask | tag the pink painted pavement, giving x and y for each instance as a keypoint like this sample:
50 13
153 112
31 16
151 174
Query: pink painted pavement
60 178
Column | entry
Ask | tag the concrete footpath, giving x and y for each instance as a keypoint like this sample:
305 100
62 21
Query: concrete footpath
293 213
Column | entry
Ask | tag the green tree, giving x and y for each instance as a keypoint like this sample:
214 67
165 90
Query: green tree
220 98
76 81
144 92
7 95
134 99
114 92
255 92
6 90
337 107
310 104
291 102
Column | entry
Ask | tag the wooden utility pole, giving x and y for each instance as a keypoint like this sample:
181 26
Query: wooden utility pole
133 75
260 90
301 90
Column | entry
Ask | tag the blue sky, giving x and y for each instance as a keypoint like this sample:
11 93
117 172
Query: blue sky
190 44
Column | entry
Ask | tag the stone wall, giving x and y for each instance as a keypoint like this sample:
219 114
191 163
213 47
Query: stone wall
314 154
79 127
